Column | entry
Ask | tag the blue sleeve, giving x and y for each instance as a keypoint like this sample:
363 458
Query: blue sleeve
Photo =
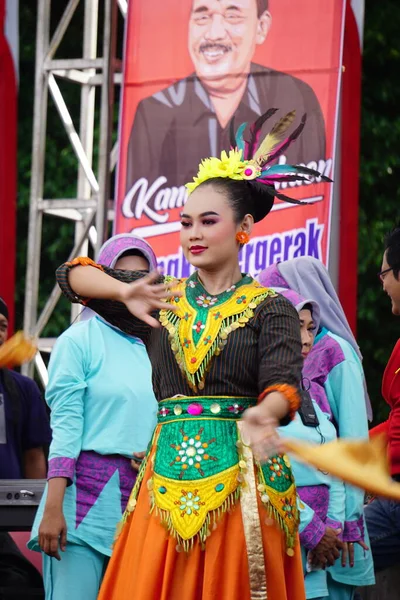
36 430
65 395
345 391
337 505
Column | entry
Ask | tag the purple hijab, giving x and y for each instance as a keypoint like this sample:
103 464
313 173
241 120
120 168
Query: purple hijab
117 245
299 303
310 278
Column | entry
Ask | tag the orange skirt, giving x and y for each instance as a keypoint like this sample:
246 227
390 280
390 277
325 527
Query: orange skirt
146 564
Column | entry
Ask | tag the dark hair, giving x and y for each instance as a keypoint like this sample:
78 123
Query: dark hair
392 250
245 197
3 308
262 6
308 307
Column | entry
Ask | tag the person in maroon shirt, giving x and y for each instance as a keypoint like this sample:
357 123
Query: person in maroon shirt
383 516
24 425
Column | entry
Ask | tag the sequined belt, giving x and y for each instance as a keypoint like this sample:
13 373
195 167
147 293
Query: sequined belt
200 468
203 407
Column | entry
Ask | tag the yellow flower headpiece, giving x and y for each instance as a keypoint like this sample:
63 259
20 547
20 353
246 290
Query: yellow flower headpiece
252 160
229 165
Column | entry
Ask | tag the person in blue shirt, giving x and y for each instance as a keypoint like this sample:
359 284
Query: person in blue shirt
321 498
24 424
103 411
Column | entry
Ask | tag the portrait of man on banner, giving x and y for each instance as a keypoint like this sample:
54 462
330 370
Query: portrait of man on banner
177 126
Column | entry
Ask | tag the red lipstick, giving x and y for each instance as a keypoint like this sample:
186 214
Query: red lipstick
197 249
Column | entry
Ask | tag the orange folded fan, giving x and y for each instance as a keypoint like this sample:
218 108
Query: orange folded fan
363 463
16 351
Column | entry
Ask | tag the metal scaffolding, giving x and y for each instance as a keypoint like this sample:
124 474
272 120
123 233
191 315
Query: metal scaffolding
90 209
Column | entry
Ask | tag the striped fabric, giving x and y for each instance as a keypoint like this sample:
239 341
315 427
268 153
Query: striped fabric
266 352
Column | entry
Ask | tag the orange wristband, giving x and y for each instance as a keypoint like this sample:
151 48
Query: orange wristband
289 391
84 261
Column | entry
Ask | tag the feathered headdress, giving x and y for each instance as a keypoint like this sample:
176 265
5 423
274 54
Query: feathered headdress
251 160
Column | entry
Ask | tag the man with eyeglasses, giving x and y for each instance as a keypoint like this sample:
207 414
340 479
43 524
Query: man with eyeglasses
383 516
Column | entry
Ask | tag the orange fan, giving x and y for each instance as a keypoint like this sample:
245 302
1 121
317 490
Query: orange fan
362 463
16 351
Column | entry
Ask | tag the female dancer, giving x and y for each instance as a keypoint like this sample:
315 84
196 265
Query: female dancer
205 520
337 384
102 410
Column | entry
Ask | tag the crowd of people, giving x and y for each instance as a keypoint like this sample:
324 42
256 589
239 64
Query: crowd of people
170 402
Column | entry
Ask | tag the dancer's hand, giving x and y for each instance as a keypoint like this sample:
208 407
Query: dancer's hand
328 549
348 552
260 432
53 532
136 461
144 296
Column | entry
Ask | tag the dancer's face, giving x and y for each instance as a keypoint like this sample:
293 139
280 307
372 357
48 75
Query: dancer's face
307 328
208 233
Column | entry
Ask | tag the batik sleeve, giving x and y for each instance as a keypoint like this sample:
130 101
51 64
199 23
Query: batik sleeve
279 350
311 528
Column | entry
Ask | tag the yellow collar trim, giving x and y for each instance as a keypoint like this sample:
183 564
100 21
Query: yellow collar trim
195 342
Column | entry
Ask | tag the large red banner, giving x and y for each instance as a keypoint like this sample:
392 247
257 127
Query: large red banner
189 67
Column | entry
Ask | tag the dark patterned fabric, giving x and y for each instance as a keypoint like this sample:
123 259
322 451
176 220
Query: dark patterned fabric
265 352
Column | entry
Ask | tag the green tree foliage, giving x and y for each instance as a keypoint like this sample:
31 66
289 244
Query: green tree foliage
379 200
378 330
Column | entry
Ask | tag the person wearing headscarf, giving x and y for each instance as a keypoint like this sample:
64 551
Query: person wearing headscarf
334 371
321 497
103 411
206 519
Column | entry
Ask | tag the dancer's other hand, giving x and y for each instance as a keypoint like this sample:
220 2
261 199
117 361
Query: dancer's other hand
144 296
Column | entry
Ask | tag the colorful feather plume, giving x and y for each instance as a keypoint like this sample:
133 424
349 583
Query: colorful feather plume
255 132
273 138
261 155
251 159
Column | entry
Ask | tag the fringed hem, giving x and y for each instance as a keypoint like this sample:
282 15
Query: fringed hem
171 321
288 523
210 523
